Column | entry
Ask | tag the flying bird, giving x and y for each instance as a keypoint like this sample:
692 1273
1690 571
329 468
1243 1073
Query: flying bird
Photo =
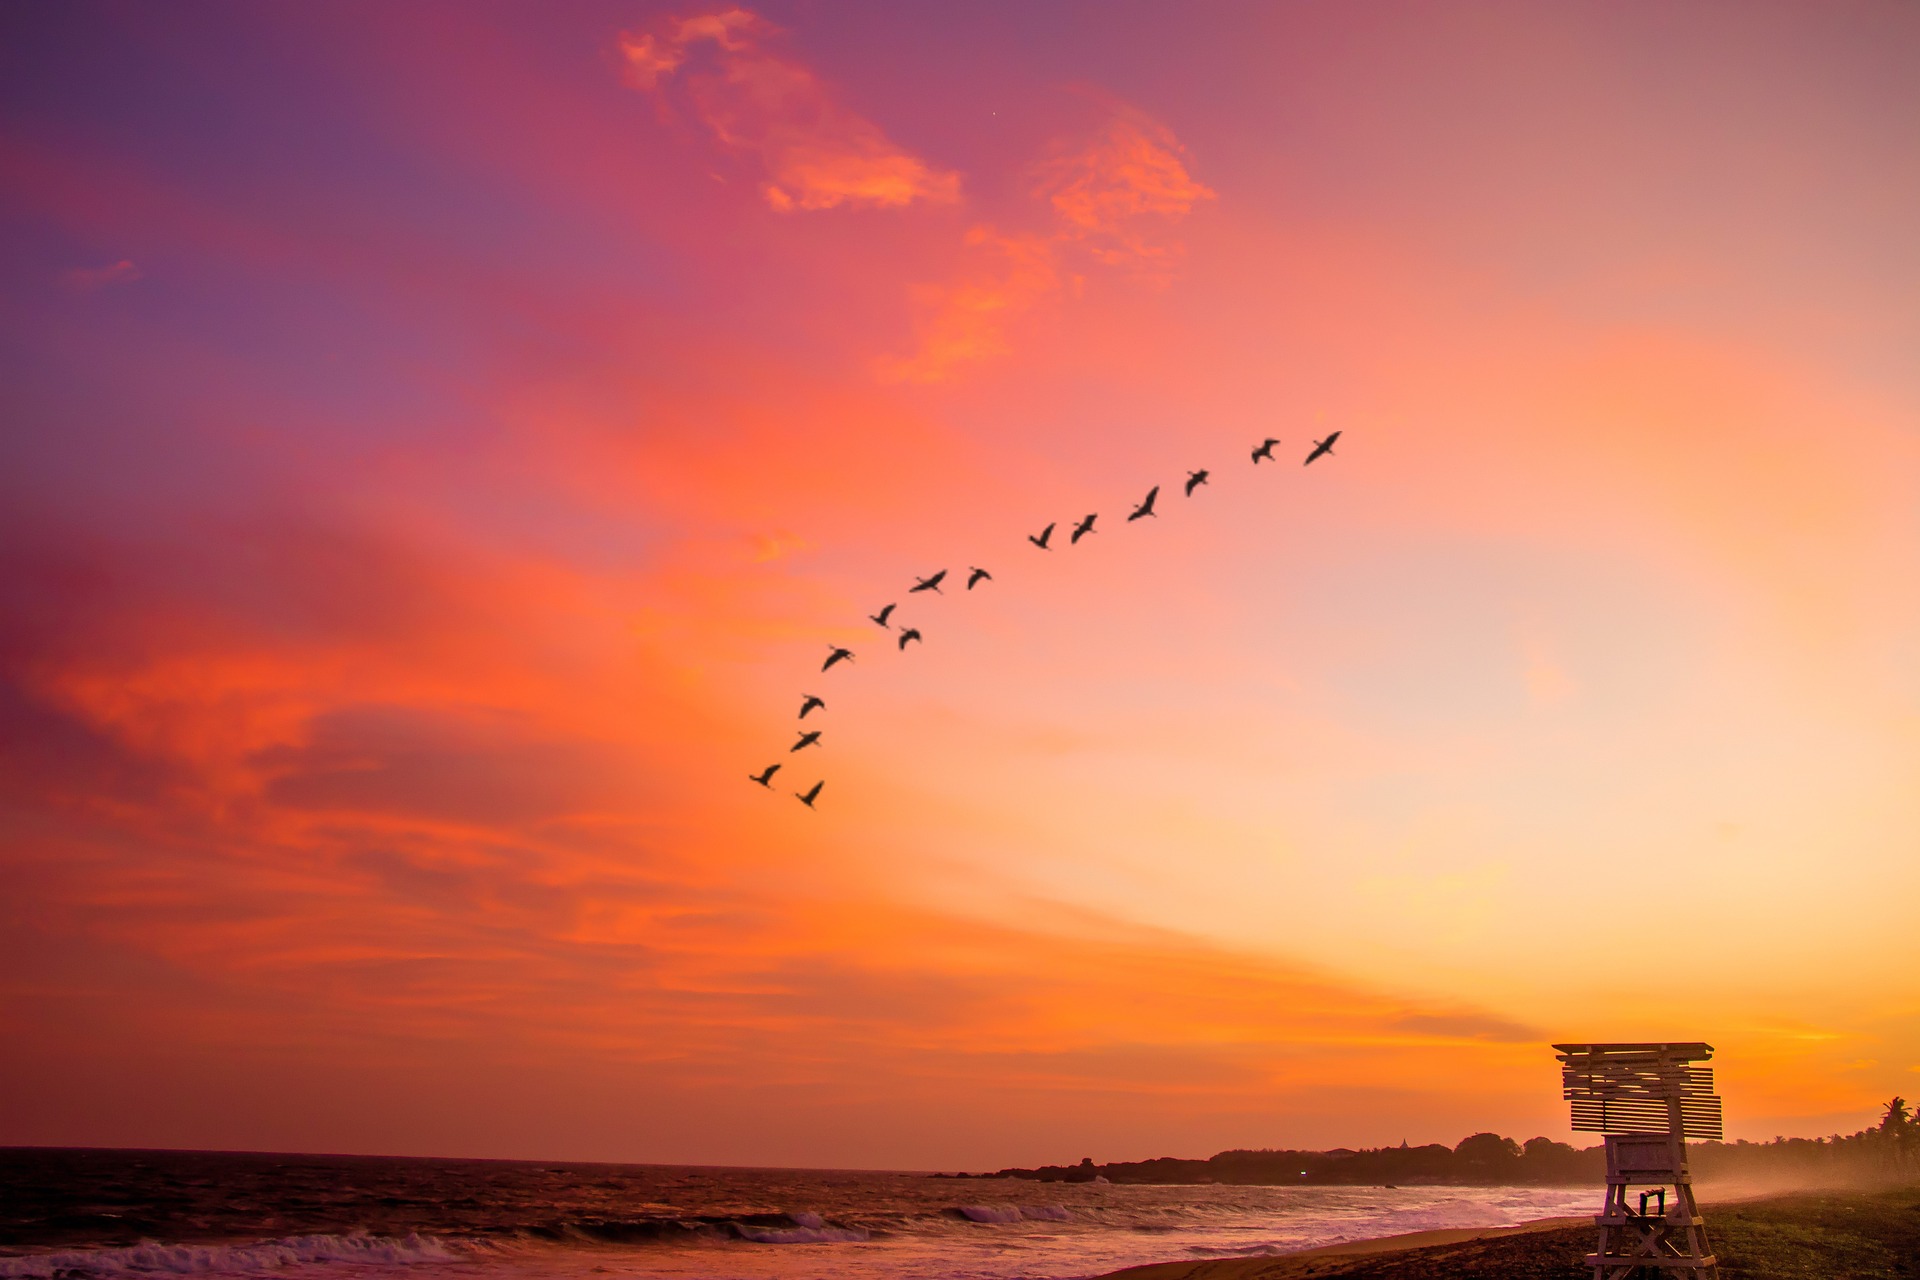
1194 480
930 584
811 794
838 655
1146 505
810 704
1322 446
910 633
882 616
765 777
806 740
978 576
1264 451
1083 528
1041 541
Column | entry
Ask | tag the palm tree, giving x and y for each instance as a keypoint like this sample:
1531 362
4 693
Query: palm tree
1901 1129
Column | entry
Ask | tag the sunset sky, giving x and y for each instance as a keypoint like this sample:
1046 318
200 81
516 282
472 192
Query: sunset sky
443 440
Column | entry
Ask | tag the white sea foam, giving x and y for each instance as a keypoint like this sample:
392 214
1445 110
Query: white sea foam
226 1259
1237 1251
803 1235
990 1212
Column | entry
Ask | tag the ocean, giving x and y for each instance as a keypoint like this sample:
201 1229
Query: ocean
110 1215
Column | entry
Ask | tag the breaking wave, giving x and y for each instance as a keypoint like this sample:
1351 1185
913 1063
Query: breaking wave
1013 1213
803 1235
214 1259
988 1212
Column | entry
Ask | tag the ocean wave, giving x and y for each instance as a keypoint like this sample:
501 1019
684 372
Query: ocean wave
803 1235
801 1227
1239 1250
1046 1213
988 1212
219 1259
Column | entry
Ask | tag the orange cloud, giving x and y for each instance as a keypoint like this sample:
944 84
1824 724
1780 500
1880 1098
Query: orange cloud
1113 195
966 319
818 154
1117 193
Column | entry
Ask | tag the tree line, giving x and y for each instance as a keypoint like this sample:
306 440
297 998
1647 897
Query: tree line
1889 1151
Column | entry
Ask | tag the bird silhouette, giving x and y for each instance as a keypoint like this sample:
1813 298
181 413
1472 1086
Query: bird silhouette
1264 451
910 633
1322 446
1194 480
1146 504
929 584
838 655
1041 541
1084 527
811 794
765 777
810 704
882 616
977 576
806 740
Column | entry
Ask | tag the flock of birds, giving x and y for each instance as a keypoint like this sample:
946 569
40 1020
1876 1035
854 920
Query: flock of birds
837 654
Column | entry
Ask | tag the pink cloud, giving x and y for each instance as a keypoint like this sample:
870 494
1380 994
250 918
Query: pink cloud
966 318
1114 196
817 153
1117 193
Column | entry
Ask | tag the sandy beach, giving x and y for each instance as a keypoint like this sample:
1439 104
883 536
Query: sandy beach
1837 1235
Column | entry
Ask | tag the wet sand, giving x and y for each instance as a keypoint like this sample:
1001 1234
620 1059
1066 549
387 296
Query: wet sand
1841 1235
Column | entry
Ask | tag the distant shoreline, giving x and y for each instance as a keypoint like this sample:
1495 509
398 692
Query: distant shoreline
1488 1159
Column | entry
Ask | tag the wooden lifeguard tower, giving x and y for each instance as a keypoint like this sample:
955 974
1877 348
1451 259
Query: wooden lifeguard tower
1648 1099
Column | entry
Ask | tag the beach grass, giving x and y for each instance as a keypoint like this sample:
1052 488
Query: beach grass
1827 1235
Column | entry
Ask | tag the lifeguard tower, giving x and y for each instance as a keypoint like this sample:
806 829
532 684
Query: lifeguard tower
1648 1099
